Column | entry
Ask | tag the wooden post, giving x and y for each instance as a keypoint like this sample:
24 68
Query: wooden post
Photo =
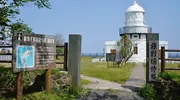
19 86
162 59
48 80
107 64
65 56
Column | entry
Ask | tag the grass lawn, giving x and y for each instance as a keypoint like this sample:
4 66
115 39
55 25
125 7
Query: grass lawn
100 70
174 73
85 82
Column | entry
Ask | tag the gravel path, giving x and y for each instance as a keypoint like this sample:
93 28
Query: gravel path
109 95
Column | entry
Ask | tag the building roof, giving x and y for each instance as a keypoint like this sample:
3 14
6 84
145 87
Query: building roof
111 43
163 42
135 7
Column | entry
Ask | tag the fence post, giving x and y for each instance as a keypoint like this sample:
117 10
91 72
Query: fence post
19 86
48 80
65 56
162 59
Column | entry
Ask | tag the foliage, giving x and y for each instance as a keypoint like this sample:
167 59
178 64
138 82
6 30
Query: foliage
59 50
165 88
8 78
59 39
9 10
174 75
148 92
38 3
125 46
100 70
20 27
75 90
58 92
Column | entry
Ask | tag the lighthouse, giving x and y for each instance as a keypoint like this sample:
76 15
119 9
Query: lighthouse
136 29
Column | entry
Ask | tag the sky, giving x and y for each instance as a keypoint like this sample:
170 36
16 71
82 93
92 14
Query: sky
99 20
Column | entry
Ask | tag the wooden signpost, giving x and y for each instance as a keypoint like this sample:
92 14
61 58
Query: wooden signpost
110 57
33 52
152 60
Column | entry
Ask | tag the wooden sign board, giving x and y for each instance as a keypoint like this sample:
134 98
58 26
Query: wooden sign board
113 51
33 52
152 61
110 56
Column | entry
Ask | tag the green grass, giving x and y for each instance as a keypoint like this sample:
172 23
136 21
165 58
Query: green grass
85 82
45 96
100 70
175 74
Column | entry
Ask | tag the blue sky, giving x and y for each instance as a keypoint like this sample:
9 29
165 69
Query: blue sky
99 20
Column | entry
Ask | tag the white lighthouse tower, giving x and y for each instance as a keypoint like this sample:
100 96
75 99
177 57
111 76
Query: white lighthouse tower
136 29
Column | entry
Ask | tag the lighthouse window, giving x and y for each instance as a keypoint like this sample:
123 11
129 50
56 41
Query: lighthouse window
135 50
139 36
131 36
135 36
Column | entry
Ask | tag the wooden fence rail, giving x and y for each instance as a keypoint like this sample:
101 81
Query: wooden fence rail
163 59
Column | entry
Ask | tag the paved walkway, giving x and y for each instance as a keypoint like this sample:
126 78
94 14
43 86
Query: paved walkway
102 84
136 80
137 77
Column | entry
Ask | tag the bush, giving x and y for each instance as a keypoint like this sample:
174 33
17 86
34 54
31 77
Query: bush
33 85
8 78
162 89
171 76
148 92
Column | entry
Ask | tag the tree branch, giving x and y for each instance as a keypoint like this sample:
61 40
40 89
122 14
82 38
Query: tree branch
15 2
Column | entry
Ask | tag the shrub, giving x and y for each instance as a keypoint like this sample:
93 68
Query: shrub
162 89
33 81
148 92
8 78
170 76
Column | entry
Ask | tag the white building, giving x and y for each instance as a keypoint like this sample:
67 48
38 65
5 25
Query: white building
136 29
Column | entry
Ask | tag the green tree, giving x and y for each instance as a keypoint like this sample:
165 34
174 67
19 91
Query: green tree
9 9
20 27
125 46
59 41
